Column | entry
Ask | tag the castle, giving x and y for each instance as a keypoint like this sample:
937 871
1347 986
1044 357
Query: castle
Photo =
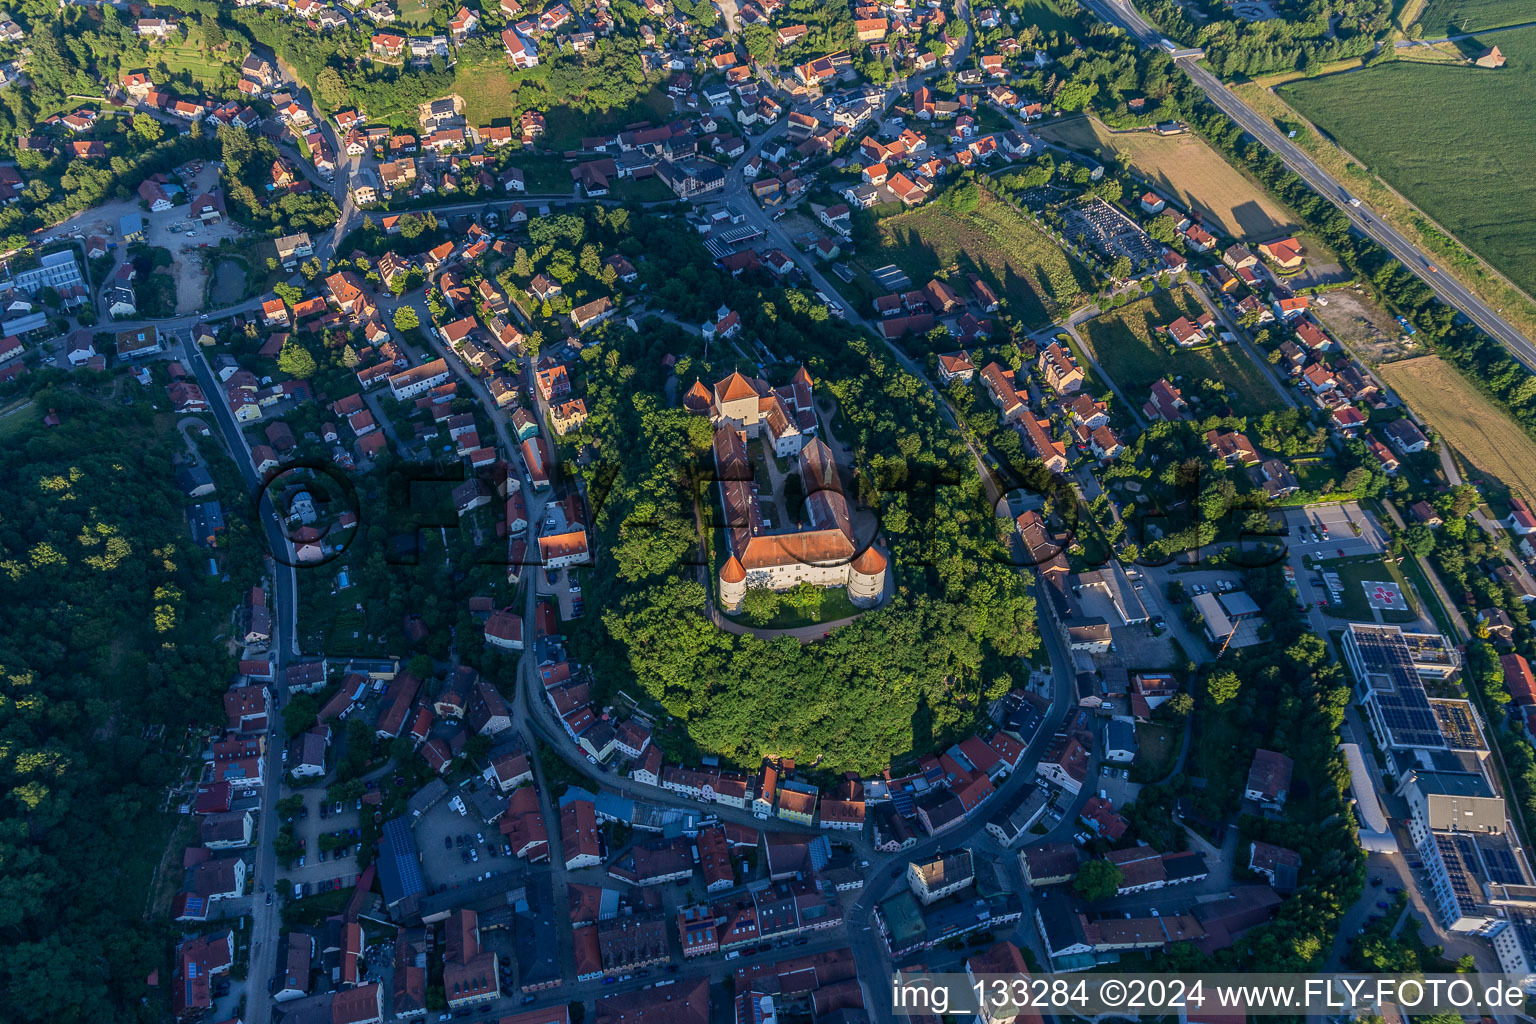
824 552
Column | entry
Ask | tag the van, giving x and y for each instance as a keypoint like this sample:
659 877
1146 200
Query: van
733 954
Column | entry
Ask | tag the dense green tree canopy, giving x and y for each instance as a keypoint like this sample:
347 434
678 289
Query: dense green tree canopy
107 657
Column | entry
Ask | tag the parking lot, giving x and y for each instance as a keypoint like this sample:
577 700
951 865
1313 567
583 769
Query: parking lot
459 849
564 587
1114 781
325 866
1333 531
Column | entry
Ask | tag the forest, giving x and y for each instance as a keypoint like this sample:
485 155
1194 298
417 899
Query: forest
1307 34
111 668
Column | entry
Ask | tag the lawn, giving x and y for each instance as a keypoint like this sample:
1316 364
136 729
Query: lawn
1453 17
545 175
487 91
1157 747
189 60
1184 168
1126 347
1046 14
834 605
1414 572
648 190
1354 574
414 14
1028 271
1409 123
1482 433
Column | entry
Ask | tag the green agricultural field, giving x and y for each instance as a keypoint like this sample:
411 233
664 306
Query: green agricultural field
1451 17
1028 271
1125 345
18 418
1413 125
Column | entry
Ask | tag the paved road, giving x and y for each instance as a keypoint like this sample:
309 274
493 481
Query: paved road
1450 291
265 918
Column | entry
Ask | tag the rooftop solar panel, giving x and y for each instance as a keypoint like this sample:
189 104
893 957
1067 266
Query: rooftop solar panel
1502 866
1453 853
1457 724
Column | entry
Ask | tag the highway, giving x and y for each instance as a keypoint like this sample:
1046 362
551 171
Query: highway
1122 14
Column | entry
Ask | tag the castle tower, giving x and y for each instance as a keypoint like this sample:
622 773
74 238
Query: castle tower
866 578
733 584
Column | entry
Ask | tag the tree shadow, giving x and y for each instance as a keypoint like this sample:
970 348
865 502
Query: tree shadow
1252 219
922 724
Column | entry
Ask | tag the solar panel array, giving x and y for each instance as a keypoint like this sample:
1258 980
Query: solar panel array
1404 707
1499 861
1457 725
1457 867
1525 930
1410 720
398 861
